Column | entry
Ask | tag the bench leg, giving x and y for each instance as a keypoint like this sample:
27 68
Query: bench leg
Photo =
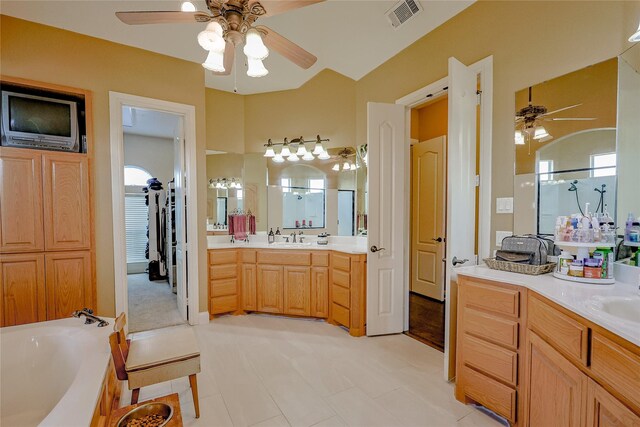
135 393
194 392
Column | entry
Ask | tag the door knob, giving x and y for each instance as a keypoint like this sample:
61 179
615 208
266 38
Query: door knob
455 261
375 249
439 239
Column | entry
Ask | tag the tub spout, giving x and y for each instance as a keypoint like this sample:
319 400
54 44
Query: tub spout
90 318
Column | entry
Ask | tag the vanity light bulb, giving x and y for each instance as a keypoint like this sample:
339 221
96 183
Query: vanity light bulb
346 166
278 158
285 150
318 149
269 152
353 166
324 155
307 156
293 157
336 167
302 150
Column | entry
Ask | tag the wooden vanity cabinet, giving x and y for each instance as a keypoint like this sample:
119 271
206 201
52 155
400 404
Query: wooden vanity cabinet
566 370
296 283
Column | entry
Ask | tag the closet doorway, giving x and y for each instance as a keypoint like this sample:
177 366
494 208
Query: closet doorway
429 126
150 172
153 177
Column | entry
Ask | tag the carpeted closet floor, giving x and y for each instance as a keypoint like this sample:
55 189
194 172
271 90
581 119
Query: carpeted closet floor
152 305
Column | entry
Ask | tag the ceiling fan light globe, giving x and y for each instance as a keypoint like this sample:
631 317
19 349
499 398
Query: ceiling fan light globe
211 41
254 47
256 68
187 6
324 155
519 138
214 62
540 132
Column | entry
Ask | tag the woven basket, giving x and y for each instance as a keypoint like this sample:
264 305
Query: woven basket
515 267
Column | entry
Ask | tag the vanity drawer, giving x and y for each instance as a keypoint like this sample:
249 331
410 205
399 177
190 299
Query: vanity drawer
248 256
617 367
340 314
491 328
482 294
341 278
320 259
491 359
223 271
490 393
558 329
223 287
340 295
224 304
341 262
284 257
219 256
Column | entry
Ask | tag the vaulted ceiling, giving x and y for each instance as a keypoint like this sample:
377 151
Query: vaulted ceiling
352 37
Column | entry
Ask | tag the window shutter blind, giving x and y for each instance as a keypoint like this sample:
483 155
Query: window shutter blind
136 219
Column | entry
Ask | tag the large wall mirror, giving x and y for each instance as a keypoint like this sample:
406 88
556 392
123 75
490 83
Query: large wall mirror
575 145
316 196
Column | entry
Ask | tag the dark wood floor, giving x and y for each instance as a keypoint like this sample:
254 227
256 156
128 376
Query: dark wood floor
426 320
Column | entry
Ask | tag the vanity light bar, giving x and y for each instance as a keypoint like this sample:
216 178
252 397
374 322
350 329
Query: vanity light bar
295 149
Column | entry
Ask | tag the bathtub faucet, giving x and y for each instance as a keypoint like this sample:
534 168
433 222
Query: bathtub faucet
90 318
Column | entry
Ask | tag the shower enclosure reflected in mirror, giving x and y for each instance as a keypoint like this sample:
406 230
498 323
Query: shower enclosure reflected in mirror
565 136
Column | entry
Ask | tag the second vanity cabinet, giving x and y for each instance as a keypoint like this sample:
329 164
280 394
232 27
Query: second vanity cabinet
321 283
539 364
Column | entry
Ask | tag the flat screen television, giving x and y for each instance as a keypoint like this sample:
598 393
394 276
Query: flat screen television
40 122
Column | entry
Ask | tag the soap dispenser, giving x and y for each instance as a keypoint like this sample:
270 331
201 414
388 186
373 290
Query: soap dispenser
271 237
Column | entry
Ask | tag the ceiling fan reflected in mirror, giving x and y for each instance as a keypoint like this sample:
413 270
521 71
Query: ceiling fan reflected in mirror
529 120
230 23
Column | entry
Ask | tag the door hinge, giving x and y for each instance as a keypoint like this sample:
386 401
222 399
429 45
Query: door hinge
477 180
479 95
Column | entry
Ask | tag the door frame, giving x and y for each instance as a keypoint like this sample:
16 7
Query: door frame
188 112
484 69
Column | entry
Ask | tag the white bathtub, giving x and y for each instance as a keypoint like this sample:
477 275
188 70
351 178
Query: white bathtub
51 372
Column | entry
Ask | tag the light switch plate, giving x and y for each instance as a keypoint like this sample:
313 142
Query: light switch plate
504 205
501 235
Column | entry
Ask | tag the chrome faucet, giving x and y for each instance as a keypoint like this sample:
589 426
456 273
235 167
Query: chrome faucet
301 236
294 237
90 318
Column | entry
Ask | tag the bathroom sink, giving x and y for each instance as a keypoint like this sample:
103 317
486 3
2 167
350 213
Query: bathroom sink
623 308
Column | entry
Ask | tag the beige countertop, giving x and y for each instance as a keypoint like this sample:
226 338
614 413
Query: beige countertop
583 299
350 245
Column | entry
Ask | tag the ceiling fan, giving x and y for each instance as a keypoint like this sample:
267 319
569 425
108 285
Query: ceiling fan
528 121
231 23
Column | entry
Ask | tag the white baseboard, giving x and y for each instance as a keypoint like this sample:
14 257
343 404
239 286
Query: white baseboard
203 317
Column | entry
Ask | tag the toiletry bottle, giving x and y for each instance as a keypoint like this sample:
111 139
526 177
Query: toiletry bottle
564 260
627 228
278 231
271 237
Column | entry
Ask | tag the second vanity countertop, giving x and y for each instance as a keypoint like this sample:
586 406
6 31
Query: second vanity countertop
349 245
582 299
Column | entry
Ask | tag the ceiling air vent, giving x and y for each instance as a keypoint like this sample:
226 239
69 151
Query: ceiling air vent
403 11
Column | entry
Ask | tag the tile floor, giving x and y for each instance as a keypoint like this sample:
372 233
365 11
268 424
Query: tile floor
270 371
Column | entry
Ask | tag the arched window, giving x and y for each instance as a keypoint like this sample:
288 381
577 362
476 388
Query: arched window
134 175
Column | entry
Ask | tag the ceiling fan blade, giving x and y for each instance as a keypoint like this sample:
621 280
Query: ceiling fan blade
162 17
558 110
276 7
287 48
229 57
553 119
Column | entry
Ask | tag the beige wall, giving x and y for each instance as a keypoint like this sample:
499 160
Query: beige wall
530 42
324 105
47 54
155 155
225 121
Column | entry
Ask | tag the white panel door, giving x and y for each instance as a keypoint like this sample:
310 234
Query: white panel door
385 260
461 202
181 225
